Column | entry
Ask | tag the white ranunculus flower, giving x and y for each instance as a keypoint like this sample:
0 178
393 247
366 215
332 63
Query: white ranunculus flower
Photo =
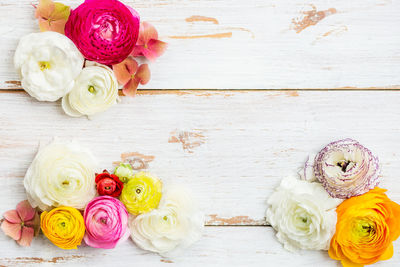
303 214
48 63
95 90
61 174
174 225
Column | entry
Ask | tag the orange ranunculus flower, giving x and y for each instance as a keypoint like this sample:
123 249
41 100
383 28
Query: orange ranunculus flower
366 227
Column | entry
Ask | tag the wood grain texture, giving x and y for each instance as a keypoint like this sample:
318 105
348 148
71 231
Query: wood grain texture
230 147
221 246
252 44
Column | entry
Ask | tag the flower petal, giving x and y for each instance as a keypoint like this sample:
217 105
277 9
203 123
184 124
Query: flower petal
347 263
157 48
146 33
143 74
58 26
13 230
387 254
124 70
25 211
131 87
138 51
26 237
44 9
12 216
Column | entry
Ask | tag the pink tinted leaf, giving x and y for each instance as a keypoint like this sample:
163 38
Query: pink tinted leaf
12 216
25 211
13 230
143 74
146 33
131 87
26 237
124 70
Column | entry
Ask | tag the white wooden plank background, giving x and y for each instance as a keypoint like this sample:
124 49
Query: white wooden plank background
231 147
252 44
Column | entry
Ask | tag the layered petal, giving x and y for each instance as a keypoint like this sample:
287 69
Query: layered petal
106 221
104 31
142 193
346 168
174 225
61 174
365 229
48 63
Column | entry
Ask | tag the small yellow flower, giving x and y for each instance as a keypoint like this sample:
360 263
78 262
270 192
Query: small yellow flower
142 193
63 226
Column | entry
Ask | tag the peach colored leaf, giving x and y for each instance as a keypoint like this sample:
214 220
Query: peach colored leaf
12 216
25 211
124 70
143 74
44 9
26 237
13 230
131 87
52 16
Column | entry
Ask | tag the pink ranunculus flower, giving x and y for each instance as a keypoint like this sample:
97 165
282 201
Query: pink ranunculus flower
104 31
106 221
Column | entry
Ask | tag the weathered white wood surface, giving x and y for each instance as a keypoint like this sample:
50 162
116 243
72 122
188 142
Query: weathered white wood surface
230 147
221 246
252 44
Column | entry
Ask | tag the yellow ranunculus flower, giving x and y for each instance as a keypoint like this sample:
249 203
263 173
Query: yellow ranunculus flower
63 226
142 193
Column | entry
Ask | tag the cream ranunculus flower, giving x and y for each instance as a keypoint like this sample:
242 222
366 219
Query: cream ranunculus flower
174 225
95 90
61 174
303 214
48 63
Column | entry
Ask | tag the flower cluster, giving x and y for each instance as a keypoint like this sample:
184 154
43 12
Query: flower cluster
335 205
85 55
71 204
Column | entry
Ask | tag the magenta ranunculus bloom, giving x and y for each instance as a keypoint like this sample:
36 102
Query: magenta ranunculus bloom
104 31
106 221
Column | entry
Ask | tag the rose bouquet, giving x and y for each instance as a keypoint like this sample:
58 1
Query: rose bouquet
85 55
335 205
70 203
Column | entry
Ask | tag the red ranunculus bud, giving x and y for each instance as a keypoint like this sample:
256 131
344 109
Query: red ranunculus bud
108 184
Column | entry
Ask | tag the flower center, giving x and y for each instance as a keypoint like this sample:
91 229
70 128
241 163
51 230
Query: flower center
63 224
165 218
91 89
65 182
107 187
138 191
145 46
44 65
343 164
